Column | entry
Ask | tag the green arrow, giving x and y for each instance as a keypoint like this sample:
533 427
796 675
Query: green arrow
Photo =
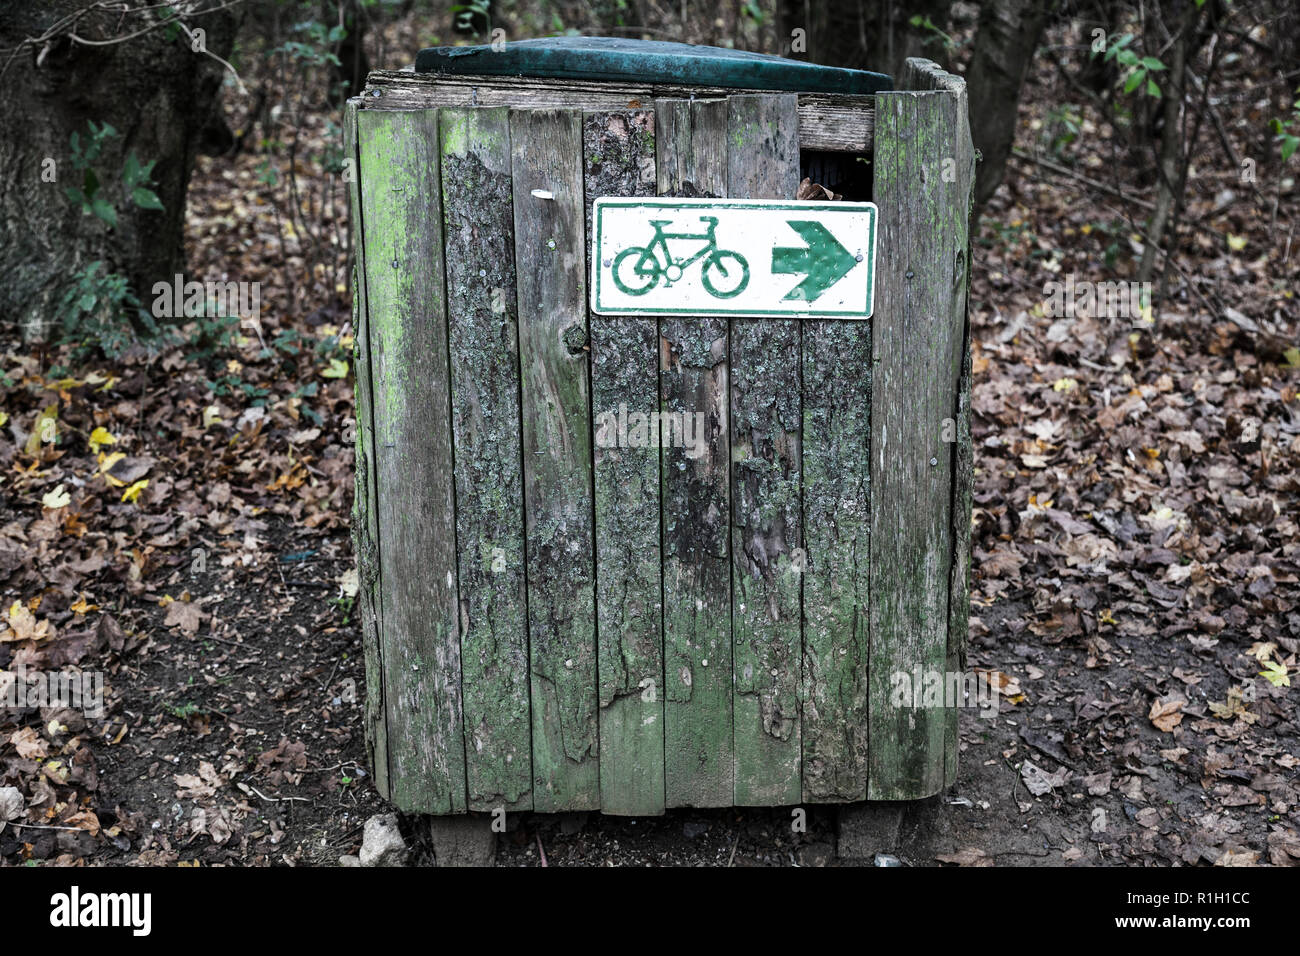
822 263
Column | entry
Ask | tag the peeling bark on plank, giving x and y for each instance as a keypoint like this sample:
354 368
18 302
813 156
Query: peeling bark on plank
837 515
766 560
763 163
629 588
401 209
917 337
365 509
483 338
691 160
619 153
697 579
550 254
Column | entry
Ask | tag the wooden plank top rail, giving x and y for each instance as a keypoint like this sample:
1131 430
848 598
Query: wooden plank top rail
833 122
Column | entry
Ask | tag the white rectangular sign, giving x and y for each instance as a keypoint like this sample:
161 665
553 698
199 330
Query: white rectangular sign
756 257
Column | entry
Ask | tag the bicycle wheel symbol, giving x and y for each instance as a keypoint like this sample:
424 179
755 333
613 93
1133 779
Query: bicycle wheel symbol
726 274
636 271
639 269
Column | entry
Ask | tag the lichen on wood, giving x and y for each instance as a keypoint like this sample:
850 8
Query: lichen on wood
550 254
619 160
484 360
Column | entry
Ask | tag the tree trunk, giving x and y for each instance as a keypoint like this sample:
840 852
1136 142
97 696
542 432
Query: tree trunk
863 34
154 89
1008 32
350 74
1169 185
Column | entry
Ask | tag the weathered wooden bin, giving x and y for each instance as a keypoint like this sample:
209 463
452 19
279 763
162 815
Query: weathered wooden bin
554 623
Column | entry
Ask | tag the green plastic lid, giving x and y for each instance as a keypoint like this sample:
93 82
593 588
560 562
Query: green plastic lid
647 61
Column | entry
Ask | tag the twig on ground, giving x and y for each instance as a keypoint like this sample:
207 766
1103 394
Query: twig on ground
247 788
1079 177
42 826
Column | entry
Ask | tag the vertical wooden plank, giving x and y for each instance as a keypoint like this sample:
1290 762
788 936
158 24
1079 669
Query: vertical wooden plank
365 513
691 154
916 344
921 74
963 465
697 581
550 252
763 141
767 560
401 209
837 523
619 157
691 159
763 163
483 340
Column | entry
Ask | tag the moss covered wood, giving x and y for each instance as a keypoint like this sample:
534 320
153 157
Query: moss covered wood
483 340
619 159
836 520
922 188
365 509
921 74
550 254
766 524
411 443
691 160
567 623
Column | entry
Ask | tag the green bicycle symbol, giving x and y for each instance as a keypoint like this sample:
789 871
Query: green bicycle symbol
639 269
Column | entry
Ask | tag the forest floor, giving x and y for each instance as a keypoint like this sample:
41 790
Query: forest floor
177 522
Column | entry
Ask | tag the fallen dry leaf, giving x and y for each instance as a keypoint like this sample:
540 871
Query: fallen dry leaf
1167 713
29 744
1038 781
185 615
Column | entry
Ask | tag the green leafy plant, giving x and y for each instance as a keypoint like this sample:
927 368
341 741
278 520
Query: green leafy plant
753 10
344 604
266 173
1286 130
469 15
1063 125
935 35
86 195
89 194
99 310
211 340
137 179
317 43
1138 69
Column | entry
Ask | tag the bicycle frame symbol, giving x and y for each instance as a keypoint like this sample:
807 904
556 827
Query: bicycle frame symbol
637 270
